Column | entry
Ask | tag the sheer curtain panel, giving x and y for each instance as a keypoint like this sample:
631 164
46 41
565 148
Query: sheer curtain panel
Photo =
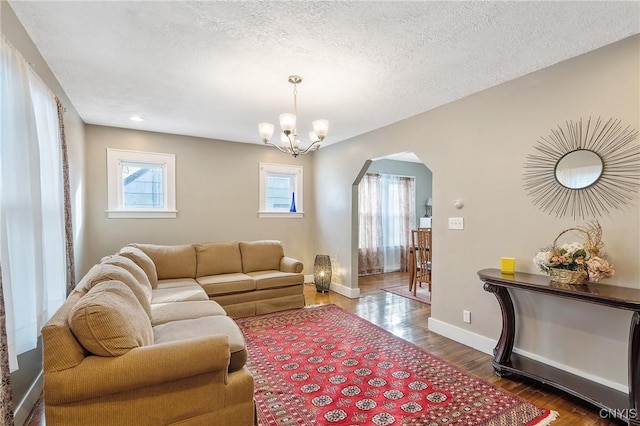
398 218
370 252
32 242
386 215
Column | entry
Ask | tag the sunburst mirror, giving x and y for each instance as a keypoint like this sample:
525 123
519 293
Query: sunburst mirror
584 168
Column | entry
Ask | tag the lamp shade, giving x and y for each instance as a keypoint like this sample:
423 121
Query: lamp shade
287 122
266 131
284 140
322 273
321 128
313 138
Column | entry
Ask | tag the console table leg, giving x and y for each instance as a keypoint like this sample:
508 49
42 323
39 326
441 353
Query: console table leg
634 368
502 351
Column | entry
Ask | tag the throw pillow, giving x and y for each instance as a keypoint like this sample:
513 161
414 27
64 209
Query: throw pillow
109 320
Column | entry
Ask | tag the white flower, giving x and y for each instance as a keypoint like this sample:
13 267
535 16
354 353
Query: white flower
542 259
572 247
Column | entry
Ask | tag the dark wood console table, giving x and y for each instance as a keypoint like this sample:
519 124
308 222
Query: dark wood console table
617 404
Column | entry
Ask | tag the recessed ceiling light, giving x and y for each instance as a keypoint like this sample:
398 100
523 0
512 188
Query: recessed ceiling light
136 118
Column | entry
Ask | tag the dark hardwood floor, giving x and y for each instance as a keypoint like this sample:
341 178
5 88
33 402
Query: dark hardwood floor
408 319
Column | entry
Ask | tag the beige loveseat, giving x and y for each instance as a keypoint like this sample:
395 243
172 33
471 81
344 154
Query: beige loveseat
121 352
245 278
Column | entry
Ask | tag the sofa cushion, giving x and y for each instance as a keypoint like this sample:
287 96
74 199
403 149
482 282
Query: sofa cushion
171 261
178 294
109 320
226 284
107 272
218 258
261 255
162 313
205 326
131 266
177 282
275 279
142 260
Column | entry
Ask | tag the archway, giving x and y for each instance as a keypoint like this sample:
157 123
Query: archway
404 164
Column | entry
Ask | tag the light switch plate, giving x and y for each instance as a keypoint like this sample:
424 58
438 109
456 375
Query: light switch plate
456 223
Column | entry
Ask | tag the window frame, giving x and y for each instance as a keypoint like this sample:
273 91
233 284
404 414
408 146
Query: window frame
281 169
115 191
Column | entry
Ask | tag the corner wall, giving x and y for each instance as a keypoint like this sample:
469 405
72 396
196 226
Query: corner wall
217 189
475 148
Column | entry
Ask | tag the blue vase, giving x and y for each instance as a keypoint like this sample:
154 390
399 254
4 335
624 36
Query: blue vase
293 203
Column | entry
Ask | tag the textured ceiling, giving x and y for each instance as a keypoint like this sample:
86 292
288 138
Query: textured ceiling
216 69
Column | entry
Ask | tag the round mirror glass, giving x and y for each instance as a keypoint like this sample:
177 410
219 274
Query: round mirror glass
579 169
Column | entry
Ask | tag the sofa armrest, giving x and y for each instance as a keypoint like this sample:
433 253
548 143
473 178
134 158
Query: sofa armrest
289 264
140 367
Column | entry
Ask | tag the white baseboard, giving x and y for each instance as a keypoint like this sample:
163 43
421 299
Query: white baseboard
23 409
486 345
606 382
351 293
466 337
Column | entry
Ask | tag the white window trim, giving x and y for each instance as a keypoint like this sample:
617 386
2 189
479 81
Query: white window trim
265 169
114 188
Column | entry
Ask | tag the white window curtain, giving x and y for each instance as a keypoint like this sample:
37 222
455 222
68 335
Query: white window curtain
579 177
370 252
32 241
387 213
399 216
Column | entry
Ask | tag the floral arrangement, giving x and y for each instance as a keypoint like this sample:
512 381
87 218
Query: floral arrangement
578 256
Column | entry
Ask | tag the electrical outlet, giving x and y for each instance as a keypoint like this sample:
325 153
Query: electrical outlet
456 223
466 317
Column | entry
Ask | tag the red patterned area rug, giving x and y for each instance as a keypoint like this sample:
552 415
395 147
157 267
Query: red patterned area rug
422 293
323 365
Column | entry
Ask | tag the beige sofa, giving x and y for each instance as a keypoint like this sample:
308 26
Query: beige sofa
245 278
119 352
141 340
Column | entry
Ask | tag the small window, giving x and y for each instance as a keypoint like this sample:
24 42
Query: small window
280 187
140 184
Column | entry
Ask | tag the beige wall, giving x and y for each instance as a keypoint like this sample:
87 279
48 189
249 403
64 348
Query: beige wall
217 195
476 148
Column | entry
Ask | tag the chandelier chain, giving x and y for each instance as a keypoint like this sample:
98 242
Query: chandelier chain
295 106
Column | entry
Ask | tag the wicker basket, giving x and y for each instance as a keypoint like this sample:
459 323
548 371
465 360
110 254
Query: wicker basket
566 276
584 288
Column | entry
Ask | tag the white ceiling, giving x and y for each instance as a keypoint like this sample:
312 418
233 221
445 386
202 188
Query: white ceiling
215 69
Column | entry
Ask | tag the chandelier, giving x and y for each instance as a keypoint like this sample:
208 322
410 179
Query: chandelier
289 142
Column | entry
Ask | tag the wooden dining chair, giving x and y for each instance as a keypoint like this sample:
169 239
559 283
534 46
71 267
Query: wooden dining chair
421 243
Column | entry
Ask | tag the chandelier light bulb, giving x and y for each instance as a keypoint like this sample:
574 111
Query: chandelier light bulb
313 137
287 122
266 131
321 128
284 141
